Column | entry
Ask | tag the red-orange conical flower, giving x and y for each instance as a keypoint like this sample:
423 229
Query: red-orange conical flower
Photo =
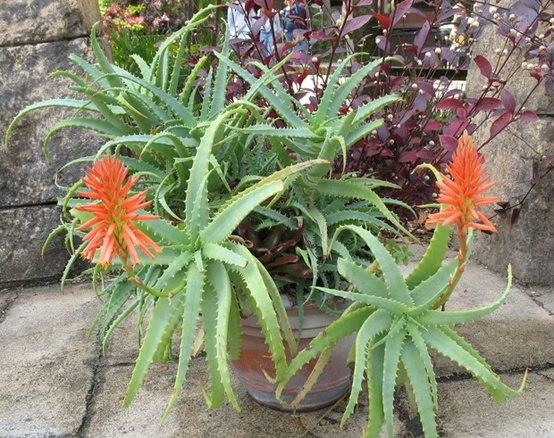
463 191
113 227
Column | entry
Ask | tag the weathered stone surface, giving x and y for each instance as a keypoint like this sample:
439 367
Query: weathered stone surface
513 161
36 21
466 410
48 386
6 300
544 296
548 373
520 84
123 346
22 233
26 176
192 418
514 158
46 365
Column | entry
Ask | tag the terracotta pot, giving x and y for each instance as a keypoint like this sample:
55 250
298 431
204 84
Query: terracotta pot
332 384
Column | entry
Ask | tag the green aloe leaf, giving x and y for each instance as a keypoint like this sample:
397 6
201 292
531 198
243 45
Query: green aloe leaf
196 195
348 86
220 83
116 322
227 220
323 110
316 372
453 317
191 79
218 277
425 357
177 65
267 318
374 376
377 322
213 251
339 329
350 190
445 345
277 301
426 293
385 303
373 106
99 126
433 257
50 103
277 217
101 58
191 311
71 262
197 19
362 130
165 231
205 107
322 226
420 385
172 270
164 315
215 398
277 102
270 131
234 331
361 279
392 275
239 206
393 350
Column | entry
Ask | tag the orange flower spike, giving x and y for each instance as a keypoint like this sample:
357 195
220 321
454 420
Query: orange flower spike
113 228
463 191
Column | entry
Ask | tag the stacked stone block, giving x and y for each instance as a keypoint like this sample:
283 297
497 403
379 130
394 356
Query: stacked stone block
515 159
36 38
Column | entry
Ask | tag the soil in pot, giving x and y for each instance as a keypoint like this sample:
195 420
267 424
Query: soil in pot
333 383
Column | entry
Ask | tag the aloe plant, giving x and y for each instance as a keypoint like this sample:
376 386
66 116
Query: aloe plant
155 122
197 277
323 199
205 164
396 323
324 134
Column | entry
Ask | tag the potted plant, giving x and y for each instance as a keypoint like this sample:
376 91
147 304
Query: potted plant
197 211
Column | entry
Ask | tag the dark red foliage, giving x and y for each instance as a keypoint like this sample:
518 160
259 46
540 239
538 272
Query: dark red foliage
427 72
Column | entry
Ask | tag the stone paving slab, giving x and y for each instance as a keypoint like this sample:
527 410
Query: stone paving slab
46 361
191 417
467 411
544 297
54 383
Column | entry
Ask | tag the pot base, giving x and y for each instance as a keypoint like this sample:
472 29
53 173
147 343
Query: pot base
312 401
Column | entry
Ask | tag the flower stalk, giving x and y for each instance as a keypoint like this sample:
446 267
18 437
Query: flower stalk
462 192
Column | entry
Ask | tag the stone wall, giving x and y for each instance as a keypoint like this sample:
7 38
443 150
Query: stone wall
513 160
36 38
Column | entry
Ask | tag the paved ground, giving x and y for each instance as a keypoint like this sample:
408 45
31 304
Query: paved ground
54 382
